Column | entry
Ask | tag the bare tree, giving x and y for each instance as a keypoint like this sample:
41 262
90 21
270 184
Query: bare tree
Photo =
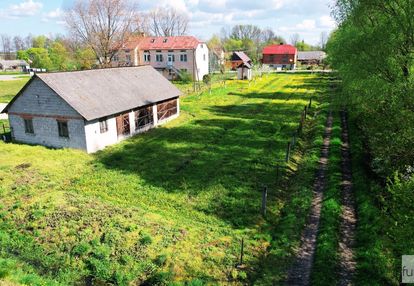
28 41
6 44
165 22
295 39
323 40
243 32
18 43
103 25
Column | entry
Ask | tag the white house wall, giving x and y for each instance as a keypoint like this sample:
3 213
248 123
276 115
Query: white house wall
202 60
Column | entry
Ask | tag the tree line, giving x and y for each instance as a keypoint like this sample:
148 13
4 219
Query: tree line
373 52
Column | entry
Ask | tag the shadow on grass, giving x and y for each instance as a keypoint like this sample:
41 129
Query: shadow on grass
229 158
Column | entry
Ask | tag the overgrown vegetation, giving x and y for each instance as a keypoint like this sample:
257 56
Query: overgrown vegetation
373 53
168 205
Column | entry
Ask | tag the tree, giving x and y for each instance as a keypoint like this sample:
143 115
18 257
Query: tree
18 43
40 42
39 58
323 40
58 56
165 22
6 46
85 58
294 39
102 25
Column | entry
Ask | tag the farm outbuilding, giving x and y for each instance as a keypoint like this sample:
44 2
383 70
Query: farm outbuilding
311 57
244 71
14 65
238 58
92 109
280 57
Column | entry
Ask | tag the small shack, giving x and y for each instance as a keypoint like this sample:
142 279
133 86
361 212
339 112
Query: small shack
92 109
238 58
244 71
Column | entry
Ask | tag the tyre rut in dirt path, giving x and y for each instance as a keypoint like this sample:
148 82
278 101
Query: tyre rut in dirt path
299 274
348 217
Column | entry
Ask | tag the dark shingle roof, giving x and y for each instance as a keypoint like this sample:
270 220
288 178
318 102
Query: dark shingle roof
312 55
103 92
240 56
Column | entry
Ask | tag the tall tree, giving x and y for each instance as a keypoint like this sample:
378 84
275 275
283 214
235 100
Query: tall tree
165 22
6 44
103 25
323 40
18 43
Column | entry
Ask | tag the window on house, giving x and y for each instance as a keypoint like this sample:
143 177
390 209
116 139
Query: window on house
63 129
166 109
204 57
115 58
28 126
147 57
158 58
183 57
103 125
128 59
143 117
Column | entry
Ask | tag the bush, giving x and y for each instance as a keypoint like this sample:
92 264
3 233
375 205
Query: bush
185 77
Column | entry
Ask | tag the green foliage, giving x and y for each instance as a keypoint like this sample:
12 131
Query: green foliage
374 58
39 58
185 77
58 56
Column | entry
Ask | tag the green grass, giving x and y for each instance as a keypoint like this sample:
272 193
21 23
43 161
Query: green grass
12 73
325 267
171 204
9 88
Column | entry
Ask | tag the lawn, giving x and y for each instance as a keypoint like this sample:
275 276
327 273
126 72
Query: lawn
9 88
172 204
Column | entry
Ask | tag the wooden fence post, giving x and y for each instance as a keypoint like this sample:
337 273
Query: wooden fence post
264 201
288 152
241 251
310 102
306 110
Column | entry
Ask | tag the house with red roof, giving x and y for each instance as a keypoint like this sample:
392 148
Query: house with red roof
280 56
171 56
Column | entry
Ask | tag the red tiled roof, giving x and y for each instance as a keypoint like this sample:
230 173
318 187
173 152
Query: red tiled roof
279 50
162 43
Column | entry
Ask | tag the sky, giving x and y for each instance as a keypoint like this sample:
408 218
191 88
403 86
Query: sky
308 18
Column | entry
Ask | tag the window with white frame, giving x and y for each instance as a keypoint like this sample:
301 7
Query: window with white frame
158 58
28 126
171 58
103 125
147 56
183 57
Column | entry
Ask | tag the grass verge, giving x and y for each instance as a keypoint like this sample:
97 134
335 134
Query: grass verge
325 264
9 88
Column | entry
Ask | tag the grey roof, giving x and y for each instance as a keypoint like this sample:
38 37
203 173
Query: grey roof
11 63
312 55
242 57
103 92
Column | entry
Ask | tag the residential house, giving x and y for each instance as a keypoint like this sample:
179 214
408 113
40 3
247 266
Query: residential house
311 57
238 58
280 56
91 109
168 55
14 65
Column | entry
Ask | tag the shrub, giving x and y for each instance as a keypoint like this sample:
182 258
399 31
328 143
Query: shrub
185 77
145 239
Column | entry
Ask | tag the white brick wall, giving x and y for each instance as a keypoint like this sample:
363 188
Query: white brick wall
45 106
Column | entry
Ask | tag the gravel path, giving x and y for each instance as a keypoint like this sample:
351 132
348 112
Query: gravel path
348 223
299 274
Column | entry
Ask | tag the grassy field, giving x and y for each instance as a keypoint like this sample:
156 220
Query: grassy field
172 204
9 88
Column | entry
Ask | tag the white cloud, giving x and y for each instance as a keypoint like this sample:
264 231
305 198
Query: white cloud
26 8
52 15
327 22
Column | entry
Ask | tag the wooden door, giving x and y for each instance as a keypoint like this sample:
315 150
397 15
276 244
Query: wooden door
123 125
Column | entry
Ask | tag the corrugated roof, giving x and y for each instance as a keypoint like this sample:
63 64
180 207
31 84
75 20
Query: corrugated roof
312 55
103 92
279 50
242 56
